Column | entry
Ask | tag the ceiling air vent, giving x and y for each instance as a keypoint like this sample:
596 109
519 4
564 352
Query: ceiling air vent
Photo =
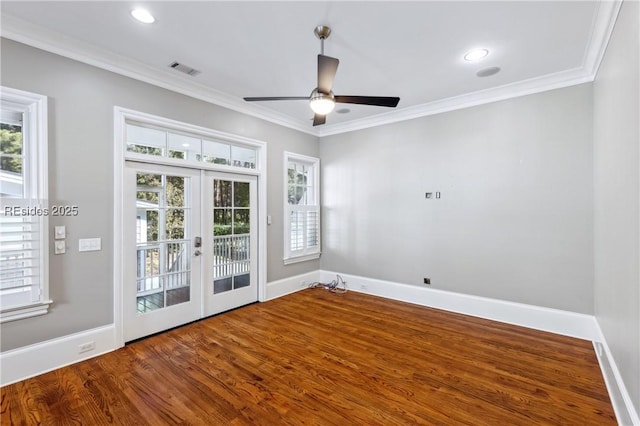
184 68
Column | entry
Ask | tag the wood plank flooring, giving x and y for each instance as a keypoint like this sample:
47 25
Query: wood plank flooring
320 358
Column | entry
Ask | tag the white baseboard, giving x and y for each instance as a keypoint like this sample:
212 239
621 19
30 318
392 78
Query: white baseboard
291 285
28 361
540 318
621 401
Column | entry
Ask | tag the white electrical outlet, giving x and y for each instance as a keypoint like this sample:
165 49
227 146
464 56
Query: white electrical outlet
90 244
364 287
86 347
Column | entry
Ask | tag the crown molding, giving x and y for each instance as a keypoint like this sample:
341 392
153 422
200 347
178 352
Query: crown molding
480 97
51 41
601 30
39 37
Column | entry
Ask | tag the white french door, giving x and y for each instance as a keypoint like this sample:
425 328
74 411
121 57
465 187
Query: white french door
231 273
190 245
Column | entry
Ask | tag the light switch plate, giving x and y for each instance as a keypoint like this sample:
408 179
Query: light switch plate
60 247
60 232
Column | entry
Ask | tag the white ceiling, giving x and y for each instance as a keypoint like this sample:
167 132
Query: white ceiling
413 50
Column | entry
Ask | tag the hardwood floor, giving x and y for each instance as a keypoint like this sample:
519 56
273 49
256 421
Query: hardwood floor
315 357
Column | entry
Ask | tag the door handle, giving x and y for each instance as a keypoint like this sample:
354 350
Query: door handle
197 253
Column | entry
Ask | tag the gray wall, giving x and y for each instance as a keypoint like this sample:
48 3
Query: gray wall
515 219
81 101
617 197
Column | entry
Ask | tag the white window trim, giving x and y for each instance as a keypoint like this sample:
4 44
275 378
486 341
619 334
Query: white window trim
305 255
34 107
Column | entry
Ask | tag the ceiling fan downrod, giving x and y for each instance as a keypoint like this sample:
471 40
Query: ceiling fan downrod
322 32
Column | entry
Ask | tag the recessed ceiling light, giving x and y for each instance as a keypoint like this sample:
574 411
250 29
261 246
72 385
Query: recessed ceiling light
475 54
143 16
186 145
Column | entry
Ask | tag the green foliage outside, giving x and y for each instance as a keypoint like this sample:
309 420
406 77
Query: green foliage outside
149 189
227 229
10 144
231 215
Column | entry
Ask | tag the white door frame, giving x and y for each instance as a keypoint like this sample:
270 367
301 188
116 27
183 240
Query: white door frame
121 116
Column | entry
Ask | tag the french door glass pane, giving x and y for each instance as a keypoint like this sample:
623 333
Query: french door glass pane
231 236
222 193
174 220
175 191
222 224
152 226
241 219
241 194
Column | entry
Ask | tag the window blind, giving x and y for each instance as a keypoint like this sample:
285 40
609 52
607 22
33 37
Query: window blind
19 260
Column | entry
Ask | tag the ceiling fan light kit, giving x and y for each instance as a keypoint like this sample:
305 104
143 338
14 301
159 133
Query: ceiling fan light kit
321 103
322 100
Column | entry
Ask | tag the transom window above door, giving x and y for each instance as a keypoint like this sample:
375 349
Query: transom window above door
148 140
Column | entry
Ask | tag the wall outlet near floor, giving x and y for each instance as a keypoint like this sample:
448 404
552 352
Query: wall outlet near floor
86 347
364 287
427 281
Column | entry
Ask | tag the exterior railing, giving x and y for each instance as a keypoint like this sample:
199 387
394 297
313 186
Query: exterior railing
161 263
231 256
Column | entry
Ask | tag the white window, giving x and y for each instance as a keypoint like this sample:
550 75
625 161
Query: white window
301 208
24 289
149 140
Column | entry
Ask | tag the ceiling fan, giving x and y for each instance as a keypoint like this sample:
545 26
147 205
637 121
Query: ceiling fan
322 100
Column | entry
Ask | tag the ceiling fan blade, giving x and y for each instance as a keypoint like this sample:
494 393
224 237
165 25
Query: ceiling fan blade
385 101
319 119
277 98
327 67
